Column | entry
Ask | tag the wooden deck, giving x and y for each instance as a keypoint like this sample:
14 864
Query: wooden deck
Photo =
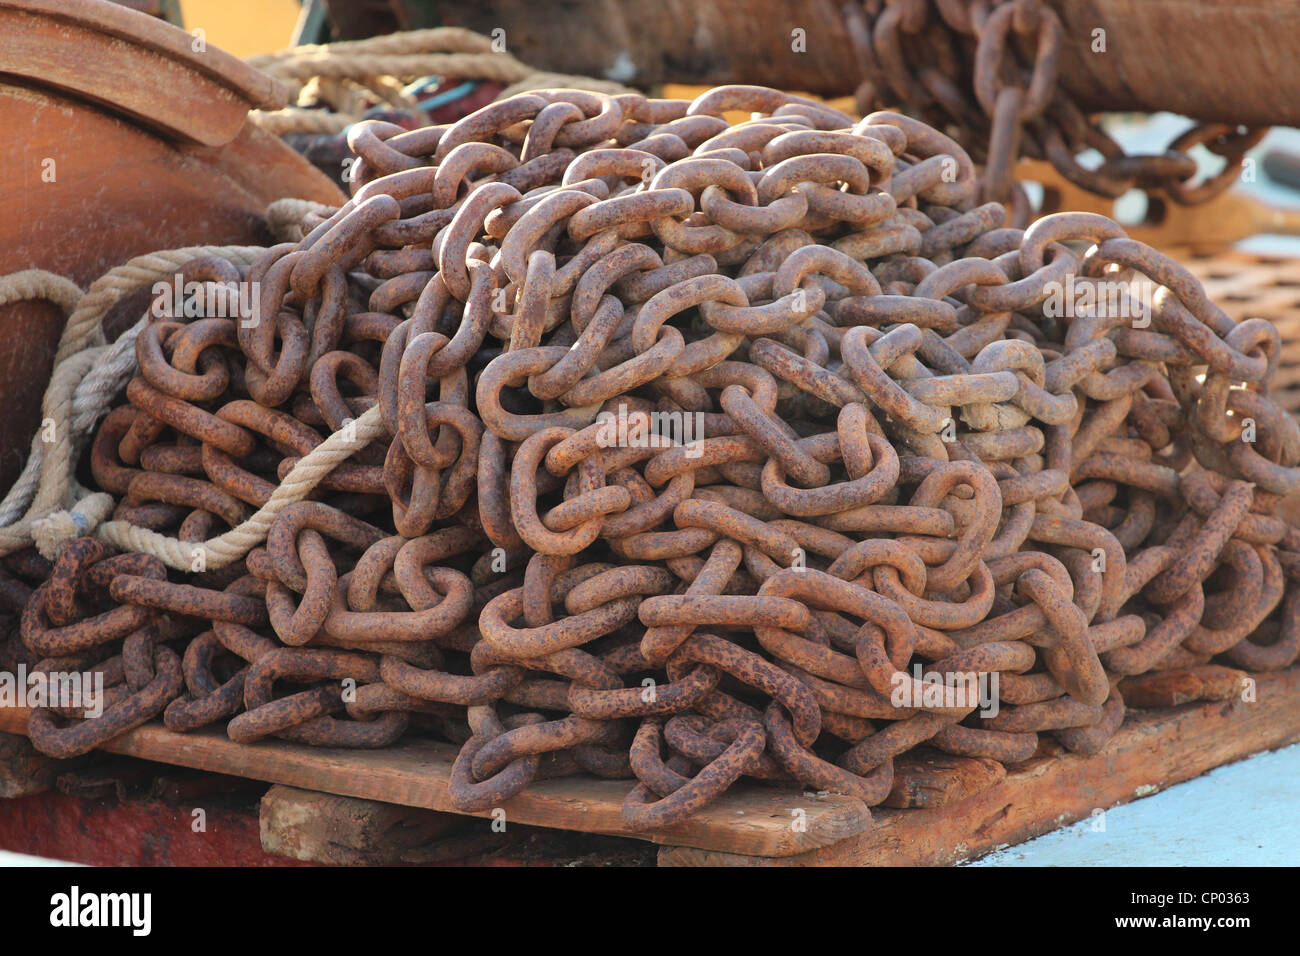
752 825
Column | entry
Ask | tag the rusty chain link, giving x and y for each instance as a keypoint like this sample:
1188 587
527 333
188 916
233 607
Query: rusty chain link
712 451
986 72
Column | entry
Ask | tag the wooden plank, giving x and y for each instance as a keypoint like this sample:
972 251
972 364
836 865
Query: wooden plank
754 825
345 831
930 778
24 771
1153 750
764 821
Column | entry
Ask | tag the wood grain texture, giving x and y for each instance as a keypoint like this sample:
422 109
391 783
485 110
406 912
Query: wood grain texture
344 831
755 825
754 820
135 832
24 771
1153 750
930 778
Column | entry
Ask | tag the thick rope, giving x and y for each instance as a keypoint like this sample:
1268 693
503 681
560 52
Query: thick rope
46 505
443 39
443 51
28 285
295 119
47 483
285 217
500 67
234 544
39 284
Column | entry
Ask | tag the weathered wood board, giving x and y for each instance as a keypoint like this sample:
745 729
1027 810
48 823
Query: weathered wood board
757 820
1153 750
756 825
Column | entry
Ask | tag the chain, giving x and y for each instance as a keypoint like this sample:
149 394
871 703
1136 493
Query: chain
988 73
709 451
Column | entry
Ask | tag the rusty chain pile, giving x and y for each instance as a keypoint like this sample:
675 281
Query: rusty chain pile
930 56
712 451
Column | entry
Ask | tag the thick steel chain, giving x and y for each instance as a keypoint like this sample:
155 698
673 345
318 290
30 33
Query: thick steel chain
711 451
988 73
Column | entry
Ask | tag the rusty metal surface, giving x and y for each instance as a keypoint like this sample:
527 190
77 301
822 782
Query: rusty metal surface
991 74
712 453
130 137
1228 61
1266 287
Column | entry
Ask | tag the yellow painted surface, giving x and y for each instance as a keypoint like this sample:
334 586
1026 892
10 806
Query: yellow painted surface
243 27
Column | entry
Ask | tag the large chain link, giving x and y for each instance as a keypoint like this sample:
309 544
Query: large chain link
988 73
711 451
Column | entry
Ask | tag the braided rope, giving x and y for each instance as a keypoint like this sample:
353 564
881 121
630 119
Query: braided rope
442 51
294 119
285 216
46 505
501 67
446 39
234 544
